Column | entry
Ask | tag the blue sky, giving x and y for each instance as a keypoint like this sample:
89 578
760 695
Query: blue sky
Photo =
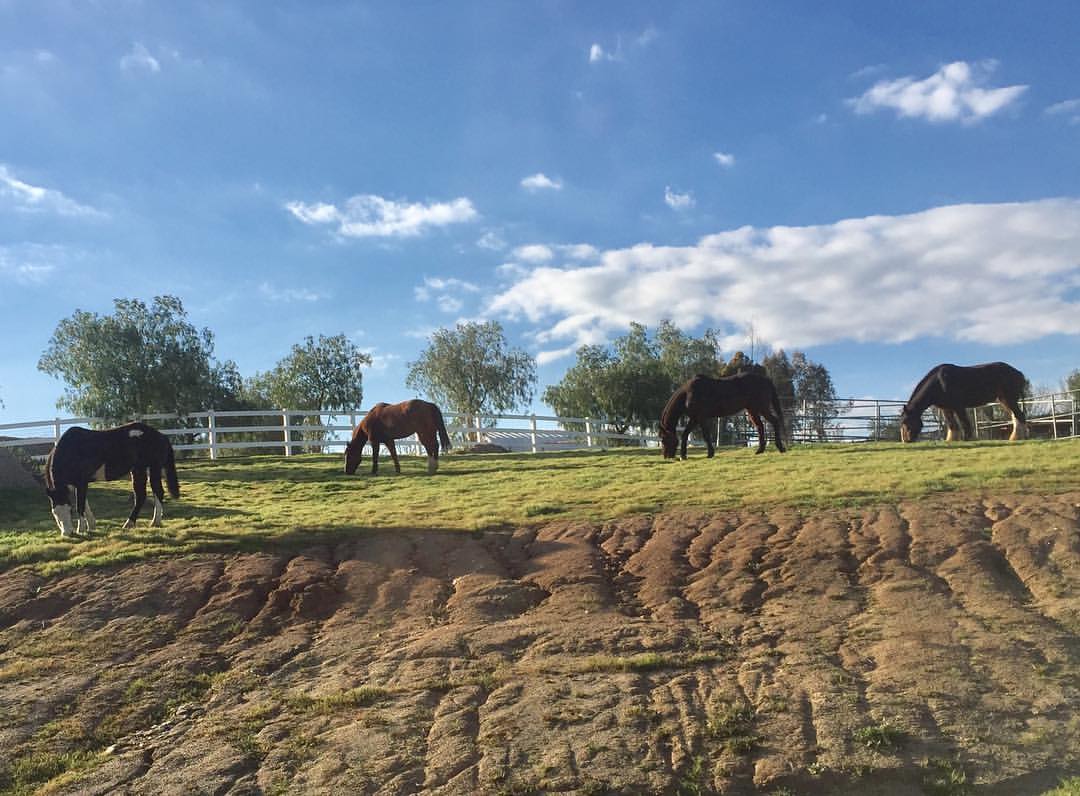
886 186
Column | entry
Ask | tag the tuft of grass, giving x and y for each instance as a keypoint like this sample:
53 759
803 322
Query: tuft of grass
243 503
1068 787
646 662
27 773
361 697
945 778
543 509
732 724
880 737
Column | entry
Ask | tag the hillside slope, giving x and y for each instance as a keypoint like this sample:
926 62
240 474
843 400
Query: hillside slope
895 649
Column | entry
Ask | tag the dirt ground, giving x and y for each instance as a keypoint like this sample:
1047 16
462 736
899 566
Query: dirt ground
929 647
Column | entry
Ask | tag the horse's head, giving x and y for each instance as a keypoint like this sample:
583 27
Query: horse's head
910 424
354 451
669 441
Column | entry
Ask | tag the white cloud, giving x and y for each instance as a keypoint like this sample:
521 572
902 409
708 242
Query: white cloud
537 253
491 241
35 263
287 294
24 197
534 253
541 182
954 93
368 215
725 159
994 274
598 53
448 294
1069 108
140 60
678 201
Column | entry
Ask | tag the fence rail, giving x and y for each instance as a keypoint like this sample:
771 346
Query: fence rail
292 431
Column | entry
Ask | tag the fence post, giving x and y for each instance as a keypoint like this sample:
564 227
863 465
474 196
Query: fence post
588 432
1053 414
285 429
532 433
211 426
56 430
975 411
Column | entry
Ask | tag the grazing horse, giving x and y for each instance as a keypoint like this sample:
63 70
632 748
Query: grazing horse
385 422
703 398
953 389
81 456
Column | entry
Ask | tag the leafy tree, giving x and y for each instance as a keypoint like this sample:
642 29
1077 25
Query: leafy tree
815 394
626 386
1072 381
629 382
683 356
317 374
471 370
321 374
136 361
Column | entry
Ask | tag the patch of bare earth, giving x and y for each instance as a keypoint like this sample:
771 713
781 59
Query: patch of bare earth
844 651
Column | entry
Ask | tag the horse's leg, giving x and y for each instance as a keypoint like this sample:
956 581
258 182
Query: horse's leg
708 431
1019 419
950 424
393 455
431 445
685 437
778 434
138 487
80 509
760 427
374 457
159 496
62 512
965 424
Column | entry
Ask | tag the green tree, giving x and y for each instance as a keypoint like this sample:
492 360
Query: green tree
815 395
625 386
1072 382
683 356
471 370
322 374
136 361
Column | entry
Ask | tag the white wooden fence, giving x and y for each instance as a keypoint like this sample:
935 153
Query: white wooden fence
296 430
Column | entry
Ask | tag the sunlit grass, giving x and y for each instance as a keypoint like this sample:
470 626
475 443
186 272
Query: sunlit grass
252 503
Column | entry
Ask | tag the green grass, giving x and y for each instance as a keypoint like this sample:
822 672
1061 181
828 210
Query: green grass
254 503
1068 787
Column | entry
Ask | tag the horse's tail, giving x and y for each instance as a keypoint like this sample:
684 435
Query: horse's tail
170 471
777 408
440 426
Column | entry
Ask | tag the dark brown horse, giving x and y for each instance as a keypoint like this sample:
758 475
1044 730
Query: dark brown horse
81 456
954 389
703 398
385 422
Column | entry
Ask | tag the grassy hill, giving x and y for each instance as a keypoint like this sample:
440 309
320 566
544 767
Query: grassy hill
244 503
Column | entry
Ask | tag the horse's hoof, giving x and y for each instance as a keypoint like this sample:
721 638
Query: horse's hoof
129 524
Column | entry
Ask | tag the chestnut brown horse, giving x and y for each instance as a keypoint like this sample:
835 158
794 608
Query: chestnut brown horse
81 456
703 398
386 422
954 389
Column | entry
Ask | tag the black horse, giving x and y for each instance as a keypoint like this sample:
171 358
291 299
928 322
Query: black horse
703 398
953 389
81 456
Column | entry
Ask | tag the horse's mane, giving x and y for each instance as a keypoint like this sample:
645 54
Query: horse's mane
922 386
674 408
